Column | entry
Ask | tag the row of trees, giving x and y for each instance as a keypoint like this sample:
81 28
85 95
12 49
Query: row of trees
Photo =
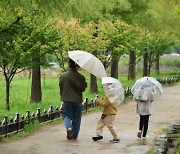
28 33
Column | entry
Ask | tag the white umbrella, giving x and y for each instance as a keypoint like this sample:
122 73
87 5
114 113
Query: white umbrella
114 90
146 88
88 62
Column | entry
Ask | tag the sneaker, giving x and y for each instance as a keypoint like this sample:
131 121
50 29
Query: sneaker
69 134
115 141
96 138
139 134
144 138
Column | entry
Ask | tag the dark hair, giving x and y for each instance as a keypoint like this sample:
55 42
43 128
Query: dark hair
72 64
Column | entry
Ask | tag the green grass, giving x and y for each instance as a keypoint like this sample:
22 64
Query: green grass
20 96
152 152
177 146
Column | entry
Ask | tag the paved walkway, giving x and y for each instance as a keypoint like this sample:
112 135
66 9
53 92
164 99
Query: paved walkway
52 140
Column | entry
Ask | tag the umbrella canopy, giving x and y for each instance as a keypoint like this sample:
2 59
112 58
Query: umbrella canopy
146 88
88 62
114 90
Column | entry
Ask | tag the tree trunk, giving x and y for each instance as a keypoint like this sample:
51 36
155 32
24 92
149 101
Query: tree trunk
149 69
157 64
93 84
132 63
93 80
7 94
145 68
36 94
114 67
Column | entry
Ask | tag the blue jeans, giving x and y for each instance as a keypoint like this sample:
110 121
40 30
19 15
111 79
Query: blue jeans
72 112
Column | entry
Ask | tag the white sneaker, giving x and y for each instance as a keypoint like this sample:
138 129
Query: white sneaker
144 138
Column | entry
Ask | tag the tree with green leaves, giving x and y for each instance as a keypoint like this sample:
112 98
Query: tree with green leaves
153 46
97 43
22 43
120 35
159 44
135 41
45 39
79 37
12 56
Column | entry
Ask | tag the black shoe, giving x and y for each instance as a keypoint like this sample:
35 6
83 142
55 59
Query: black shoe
115 141
96 138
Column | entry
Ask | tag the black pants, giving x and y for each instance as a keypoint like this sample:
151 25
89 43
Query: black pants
143 124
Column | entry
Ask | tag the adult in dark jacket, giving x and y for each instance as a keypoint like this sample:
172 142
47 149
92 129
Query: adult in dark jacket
72 85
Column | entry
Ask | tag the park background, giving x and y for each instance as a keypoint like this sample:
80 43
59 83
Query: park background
131 38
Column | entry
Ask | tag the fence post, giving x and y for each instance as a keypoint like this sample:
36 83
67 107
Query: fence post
28 116
5 122
95 104
86 104
57 112
61 110
17 122
38 114
50 112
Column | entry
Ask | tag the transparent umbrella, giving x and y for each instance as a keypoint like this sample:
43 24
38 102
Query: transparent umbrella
113 90
146 88
88 62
